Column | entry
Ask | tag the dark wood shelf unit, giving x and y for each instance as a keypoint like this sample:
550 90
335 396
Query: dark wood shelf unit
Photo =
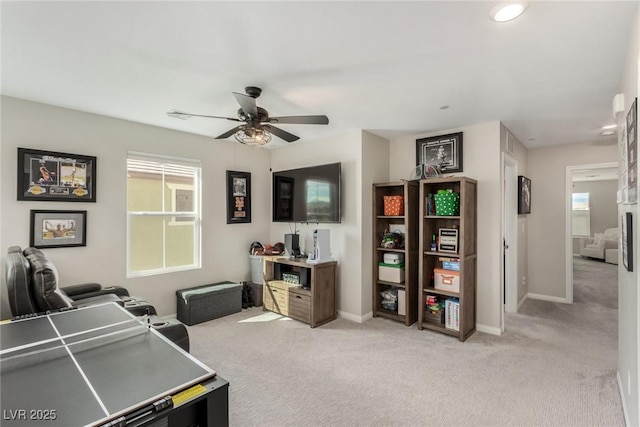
466 223
381 223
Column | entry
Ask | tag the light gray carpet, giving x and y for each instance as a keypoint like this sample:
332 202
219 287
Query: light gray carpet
554 366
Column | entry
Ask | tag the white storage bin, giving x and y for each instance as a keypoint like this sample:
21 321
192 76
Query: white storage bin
391 272
255 265
393 258
447 280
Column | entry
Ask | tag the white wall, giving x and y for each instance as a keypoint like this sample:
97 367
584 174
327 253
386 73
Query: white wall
375 169
547 249
224 247
519 154
346 237
628 372
481 161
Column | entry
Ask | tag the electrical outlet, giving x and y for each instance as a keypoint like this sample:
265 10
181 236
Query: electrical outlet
524 280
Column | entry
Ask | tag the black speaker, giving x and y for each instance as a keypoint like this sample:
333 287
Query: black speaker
292 244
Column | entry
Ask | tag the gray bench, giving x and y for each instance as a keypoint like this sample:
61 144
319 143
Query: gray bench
208 302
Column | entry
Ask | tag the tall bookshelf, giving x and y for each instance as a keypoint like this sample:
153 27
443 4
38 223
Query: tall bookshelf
466 224
409 224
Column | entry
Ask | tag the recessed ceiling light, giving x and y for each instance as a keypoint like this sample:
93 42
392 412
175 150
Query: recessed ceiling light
506 11
608 132
609 127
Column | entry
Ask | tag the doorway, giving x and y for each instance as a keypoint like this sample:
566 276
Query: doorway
594 172
509 261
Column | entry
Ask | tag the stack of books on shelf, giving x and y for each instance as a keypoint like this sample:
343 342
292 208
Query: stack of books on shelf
452 314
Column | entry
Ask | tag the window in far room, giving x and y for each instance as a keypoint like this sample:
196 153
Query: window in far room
581 215
163 214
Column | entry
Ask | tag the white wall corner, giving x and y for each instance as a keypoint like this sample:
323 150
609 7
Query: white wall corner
355 317
488 329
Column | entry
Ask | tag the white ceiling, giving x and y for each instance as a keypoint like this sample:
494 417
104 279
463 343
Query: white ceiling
387 67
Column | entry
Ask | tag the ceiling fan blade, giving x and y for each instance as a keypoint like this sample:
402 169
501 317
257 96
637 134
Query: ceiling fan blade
247 103
228 133
301 120
289 137
184 116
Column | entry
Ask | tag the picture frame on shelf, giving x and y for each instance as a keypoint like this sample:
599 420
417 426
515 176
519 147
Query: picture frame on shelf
442 152
448 240
524 195
238 197
55 176
58 229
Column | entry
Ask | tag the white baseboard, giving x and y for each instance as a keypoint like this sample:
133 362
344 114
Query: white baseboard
488 329
171 316
355 317
622 399
547 298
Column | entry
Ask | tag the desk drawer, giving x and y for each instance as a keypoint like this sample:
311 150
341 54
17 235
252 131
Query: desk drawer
276 298
300 306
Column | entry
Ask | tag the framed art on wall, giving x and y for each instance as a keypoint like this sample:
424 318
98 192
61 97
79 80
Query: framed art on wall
54 176
442 152
58 229
524 195
238 197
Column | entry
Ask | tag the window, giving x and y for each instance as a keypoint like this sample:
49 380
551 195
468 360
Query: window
581 215
163 214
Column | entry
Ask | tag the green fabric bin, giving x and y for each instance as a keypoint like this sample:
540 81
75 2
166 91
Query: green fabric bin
447 204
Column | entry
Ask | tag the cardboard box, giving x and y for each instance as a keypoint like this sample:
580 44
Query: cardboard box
447 280
391 272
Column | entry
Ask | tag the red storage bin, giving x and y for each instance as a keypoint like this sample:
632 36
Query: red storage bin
393 205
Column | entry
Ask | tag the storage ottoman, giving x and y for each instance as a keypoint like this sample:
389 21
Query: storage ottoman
208 302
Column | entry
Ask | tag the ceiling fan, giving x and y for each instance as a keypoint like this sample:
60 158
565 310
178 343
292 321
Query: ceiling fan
257 127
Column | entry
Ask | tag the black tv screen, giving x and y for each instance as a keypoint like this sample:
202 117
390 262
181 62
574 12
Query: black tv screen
309 194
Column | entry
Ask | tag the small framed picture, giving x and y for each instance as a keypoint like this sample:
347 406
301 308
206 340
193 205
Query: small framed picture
54 176
448 240
58 229
238 197
444 152
524 195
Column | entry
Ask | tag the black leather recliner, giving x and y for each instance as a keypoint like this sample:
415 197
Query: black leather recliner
32 287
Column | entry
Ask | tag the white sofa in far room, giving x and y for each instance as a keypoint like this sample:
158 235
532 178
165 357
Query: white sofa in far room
603 246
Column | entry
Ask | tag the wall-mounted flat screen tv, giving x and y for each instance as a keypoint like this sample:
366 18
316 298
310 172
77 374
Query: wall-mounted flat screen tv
309 194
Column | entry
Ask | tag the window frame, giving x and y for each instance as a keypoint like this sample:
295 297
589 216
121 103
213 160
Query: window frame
583 214
169 215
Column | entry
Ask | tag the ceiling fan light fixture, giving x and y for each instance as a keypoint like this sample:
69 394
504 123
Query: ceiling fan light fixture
250 135
507 11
